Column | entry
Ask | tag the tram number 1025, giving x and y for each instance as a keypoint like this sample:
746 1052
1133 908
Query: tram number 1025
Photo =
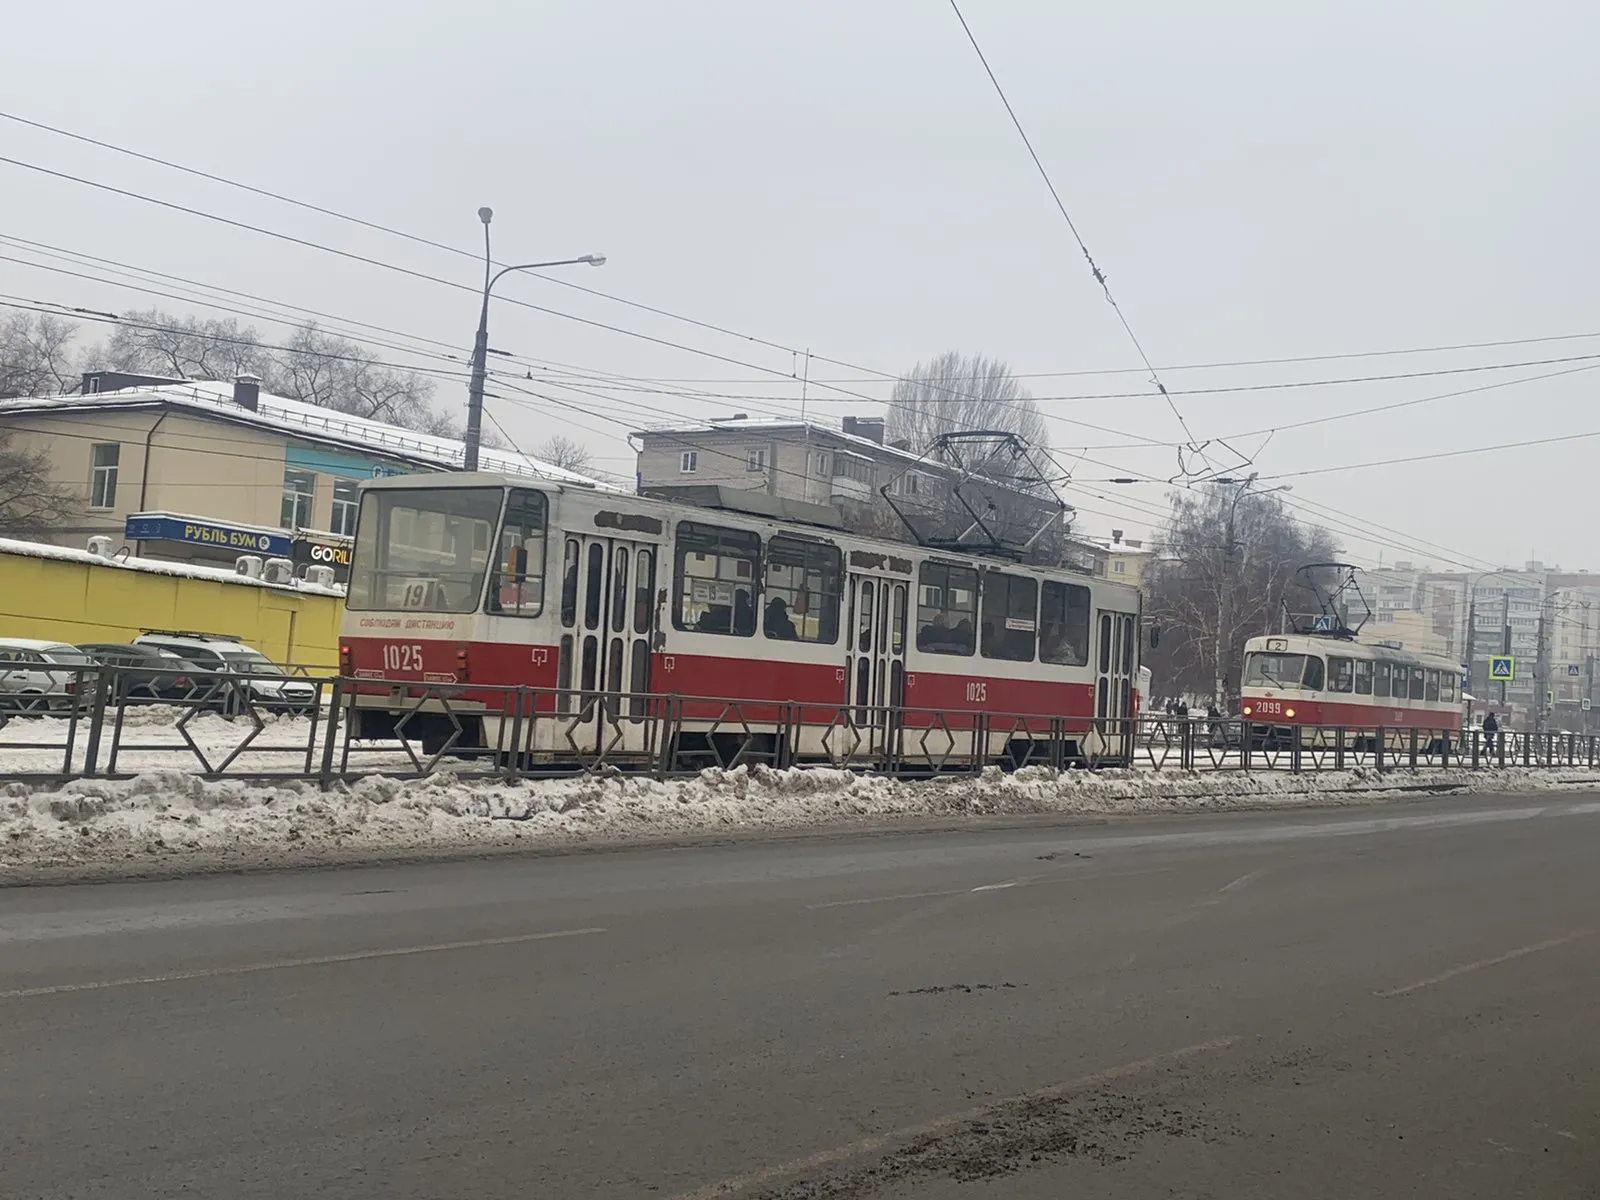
402 656
977 693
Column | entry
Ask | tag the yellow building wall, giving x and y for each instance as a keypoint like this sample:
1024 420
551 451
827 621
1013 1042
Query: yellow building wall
70 601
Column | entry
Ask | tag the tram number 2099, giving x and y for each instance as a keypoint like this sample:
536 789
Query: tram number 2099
977 693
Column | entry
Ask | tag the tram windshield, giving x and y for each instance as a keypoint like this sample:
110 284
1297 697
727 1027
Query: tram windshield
1289 671
423 550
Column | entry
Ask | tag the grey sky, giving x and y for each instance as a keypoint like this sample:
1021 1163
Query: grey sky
1258 180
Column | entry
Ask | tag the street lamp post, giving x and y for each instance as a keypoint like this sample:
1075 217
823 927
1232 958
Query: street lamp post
480 346
1223 642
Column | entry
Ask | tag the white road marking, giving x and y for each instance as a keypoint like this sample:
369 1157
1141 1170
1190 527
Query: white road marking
887 899
1027 881
281 964
1244 881
867 1145
1464 968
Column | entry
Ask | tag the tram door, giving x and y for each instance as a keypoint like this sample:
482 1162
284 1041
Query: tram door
875 656
1116 642
607 618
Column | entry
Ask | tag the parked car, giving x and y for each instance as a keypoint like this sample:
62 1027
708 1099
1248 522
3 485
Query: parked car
149 674
39 677
266 683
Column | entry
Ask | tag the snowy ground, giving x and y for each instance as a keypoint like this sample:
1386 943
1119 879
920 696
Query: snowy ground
150 741
173 822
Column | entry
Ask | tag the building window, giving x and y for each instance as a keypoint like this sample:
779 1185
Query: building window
689 462
103 475
346 504
299 493
755 460
913 483
1118 567
822 462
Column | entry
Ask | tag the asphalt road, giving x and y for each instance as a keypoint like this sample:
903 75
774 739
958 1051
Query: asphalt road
1374 1002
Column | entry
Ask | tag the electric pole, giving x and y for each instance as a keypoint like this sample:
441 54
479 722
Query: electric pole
1541 677
480 343
1505 638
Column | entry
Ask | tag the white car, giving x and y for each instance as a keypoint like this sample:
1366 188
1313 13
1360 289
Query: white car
268 685
40 676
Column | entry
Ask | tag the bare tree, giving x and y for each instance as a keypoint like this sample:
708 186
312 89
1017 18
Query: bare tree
156 343
36 355
333 372
1209 595
957 392
561 451
31 502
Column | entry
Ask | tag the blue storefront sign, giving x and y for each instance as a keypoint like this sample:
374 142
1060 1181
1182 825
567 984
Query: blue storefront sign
340 466
164 527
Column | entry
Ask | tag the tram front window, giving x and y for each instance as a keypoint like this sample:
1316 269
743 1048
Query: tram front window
423 550
1284 671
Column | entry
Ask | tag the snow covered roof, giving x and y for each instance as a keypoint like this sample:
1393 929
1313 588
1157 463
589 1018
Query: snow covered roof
154 566
767 425
309 422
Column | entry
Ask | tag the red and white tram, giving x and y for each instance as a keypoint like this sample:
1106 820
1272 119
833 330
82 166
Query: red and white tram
1326 681
830 642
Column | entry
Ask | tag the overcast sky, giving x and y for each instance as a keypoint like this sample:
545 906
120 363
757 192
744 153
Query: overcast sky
1258 180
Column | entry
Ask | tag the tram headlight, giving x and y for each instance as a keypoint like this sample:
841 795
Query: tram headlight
1247 710
1288 712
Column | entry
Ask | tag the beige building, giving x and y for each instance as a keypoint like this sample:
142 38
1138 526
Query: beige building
842 472
194 470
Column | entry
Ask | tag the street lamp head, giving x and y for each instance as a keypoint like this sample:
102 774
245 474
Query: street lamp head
594 260
486 214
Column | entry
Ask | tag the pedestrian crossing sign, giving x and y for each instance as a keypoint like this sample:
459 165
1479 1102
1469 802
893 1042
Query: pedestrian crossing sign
1502 667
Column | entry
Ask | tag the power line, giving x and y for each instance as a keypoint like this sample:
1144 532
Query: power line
1231 363
1414 458
422 275
1094 268
30 305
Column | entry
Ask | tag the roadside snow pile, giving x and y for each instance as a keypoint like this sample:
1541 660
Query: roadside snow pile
166 819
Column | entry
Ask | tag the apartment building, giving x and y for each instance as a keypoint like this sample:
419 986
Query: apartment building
839 472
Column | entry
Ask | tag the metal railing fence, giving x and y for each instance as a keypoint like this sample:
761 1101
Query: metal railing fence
115 722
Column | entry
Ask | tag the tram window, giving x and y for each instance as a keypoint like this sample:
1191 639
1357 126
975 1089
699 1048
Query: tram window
594 583
1447 687
1064 624
716 572
1363 677
1380 679
644 577
1010 616
1433 687
569 584
1312 679
619 590
1341 674
802 591
947 606
517 589
1418 682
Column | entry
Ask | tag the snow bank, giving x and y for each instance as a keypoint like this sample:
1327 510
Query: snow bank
171 821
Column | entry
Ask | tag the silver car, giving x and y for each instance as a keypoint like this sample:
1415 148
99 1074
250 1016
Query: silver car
38 677
267 684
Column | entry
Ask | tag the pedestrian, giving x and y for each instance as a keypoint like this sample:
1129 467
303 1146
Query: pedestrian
1491 730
